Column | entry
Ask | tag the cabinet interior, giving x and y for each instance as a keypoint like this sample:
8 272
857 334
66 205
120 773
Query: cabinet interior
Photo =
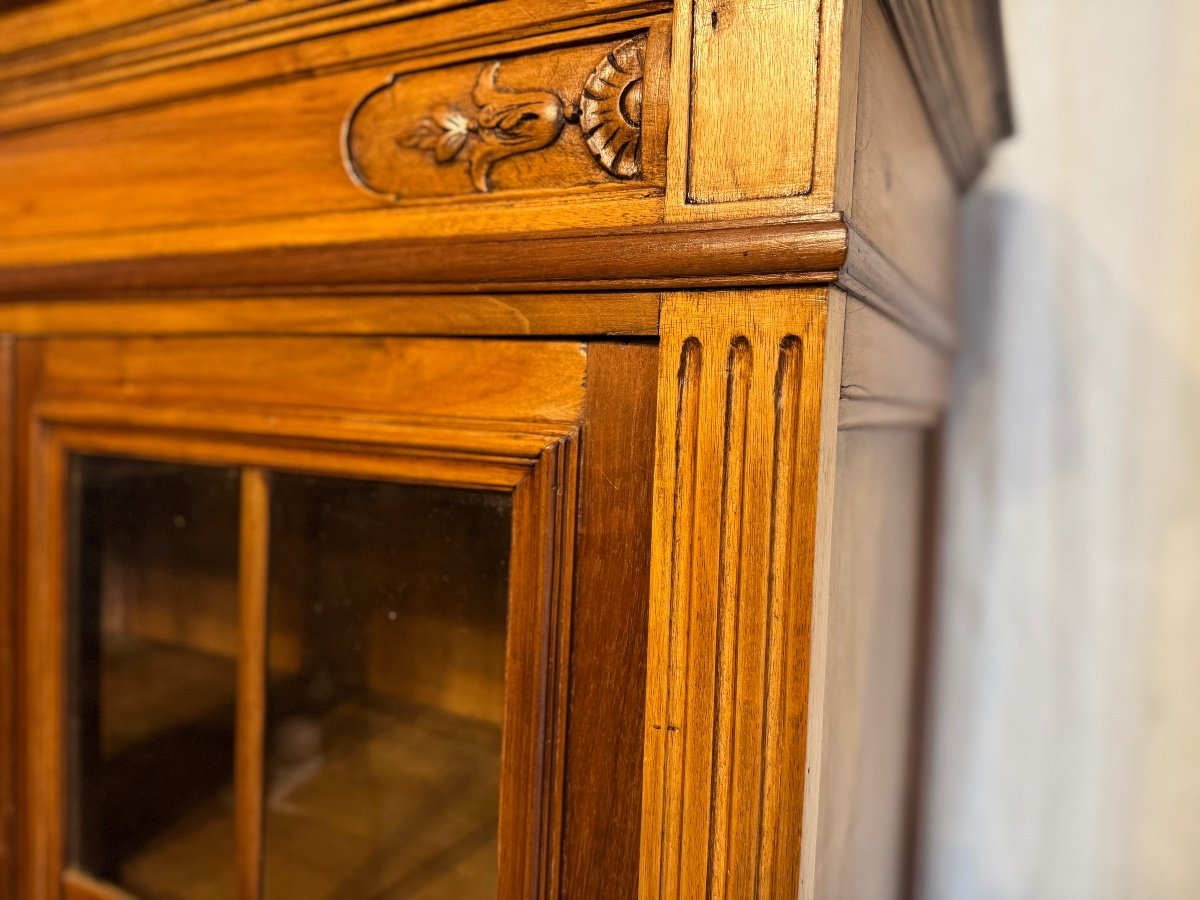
385 654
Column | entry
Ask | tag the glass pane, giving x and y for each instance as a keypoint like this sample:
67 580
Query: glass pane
386 689
152 680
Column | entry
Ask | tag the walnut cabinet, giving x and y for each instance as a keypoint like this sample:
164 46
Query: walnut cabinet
474 449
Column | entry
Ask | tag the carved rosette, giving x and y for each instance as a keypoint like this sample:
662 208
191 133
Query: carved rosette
506 122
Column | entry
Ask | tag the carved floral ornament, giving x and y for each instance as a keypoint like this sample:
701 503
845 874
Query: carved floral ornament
506 122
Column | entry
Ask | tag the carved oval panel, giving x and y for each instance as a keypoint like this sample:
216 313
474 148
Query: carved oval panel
554 120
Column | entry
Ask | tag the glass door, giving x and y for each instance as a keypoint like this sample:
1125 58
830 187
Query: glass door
313 648
382 674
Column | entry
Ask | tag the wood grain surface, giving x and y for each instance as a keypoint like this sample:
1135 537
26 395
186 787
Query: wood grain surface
608 664
192 270
744 410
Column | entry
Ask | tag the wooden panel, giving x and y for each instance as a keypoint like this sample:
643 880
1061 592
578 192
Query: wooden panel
82 45
451 379
745 403
762 85
870 691
758 141
608 665
905 201
223 43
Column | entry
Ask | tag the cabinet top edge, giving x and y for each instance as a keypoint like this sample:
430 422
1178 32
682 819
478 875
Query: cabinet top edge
955 49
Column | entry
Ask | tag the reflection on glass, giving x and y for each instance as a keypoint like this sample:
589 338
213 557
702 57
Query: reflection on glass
153 650
387 611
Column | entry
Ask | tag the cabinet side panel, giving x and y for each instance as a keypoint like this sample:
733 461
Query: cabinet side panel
877 582
905 201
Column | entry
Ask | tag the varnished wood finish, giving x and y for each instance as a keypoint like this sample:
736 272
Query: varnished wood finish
221 57
768 131
760 134
536 677
85 183
395 241
254 529
608 671
366 313
43 708
740 421
8 621
585 116
629 258
78 886
393 377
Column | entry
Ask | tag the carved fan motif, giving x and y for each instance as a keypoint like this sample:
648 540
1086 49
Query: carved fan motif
610 111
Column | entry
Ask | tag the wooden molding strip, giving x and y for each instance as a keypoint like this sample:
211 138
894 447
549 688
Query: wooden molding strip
955 49
638 257
253 564
610 313
873 278
744 409
889 376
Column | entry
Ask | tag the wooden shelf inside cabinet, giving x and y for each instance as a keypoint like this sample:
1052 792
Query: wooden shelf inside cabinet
474 449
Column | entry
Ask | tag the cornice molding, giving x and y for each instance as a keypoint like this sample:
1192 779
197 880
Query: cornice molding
955 49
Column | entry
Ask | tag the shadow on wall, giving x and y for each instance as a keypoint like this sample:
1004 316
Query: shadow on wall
1073 444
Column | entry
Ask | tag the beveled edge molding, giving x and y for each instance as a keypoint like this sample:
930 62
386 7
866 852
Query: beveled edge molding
746 421
801 250
508 122
873 278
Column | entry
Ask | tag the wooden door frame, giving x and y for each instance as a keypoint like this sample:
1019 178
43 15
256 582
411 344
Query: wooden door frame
537 462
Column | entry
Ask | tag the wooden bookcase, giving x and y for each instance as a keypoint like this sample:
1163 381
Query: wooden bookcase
459 449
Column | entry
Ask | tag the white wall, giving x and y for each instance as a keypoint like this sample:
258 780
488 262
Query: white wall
1066 747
